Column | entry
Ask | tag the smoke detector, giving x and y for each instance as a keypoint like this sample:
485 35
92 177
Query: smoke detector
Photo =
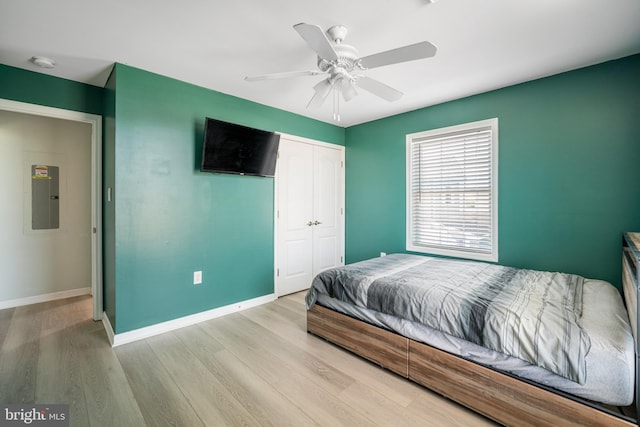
43 62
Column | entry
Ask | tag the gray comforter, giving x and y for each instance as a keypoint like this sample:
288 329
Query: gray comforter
532 315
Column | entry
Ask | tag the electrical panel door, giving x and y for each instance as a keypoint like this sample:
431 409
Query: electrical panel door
45 197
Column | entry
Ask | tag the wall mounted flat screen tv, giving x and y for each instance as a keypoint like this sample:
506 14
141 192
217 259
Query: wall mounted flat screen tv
236 149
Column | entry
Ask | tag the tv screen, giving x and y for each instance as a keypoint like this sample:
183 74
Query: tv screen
236 149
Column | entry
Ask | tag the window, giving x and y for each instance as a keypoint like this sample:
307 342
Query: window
452 191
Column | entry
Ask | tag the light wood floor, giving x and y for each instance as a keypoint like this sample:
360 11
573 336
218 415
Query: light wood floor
256 367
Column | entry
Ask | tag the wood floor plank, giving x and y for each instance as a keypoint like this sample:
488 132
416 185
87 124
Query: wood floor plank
59 378
302 378
160 401
77 310
198 341
19 358
289 323
257 396
383 410
272 350
5 321
316 401
391 385
324 407
260 398
208 397
442 411
297 298
234 342
397 388
293 307
109 398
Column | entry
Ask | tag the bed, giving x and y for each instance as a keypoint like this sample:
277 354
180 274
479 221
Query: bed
571 371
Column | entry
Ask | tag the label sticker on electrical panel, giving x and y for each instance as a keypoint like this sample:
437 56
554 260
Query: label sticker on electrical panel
41 172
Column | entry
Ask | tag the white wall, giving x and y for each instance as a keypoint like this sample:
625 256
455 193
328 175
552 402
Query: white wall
39 262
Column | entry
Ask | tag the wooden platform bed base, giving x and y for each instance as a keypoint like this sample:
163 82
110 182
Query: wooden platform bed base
498 396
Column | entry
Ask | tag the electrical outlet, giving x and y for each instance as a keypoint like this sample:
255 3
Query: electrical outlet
383 254
197 277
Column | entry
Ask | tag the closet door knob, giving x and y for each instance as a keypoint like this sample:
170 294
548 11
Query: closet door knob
317 223
310 223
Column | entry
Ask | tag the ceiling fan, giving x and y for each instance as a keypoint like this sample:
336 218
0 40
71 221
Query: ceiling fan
343 66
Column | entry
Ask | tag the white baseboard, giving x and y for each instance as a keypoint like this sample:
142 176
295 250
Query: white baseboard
44 298
107 327
181 322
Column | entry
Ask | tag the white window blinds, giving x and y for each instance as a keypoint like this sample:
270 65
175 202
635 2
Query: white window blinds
452 191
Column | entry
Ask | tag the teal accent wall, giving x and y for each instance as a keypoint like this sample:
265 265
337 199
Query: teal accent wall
170 218
21 85
569 170
166 219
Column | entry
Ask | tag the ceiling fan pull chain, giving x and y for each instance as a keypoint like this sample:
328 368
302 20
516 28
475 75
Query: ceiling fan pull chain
335 113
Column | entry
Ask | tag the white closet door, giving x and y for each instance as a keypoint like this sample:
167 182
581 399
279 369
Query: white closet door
310 220
295 210
327 209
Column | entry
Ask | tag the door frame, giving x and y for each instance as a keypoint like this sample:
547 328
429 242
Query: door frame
96 183
303 140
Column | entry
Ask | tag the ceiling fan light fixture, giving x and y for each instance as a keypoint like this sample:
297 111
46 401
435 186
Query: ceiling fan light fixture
348 89
43 62
339 60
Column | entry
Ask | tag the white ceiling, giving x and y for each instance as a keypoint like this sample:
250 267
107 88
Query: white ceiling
482 44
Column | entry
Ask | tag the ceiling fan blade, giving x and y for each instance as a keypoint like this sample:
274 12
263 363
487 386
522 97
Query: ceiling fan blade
322 91
282 75
379 89
348 90
317 40
402 54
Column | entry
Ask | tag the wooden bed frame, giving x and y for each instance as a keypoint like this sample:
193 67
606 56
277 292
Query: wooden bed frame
499 396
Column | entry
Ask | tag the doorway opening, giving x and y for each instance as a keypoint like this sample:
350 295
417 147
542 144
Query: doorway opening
95 124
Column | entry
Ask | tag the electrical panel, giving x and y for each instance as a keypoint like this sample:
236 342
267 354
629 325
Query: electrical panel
45 197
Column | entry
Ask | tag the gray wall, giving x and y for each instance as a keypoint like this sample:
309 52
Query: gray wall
39 262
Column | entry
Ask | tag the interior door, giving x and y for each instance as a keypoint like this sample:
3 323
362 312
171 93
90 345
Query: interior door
294 212
327 209
309 212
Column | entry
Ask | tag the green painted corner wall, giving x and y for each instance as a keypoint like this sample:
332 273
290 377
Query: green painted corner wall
21 85
108 208
569 175
171 219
